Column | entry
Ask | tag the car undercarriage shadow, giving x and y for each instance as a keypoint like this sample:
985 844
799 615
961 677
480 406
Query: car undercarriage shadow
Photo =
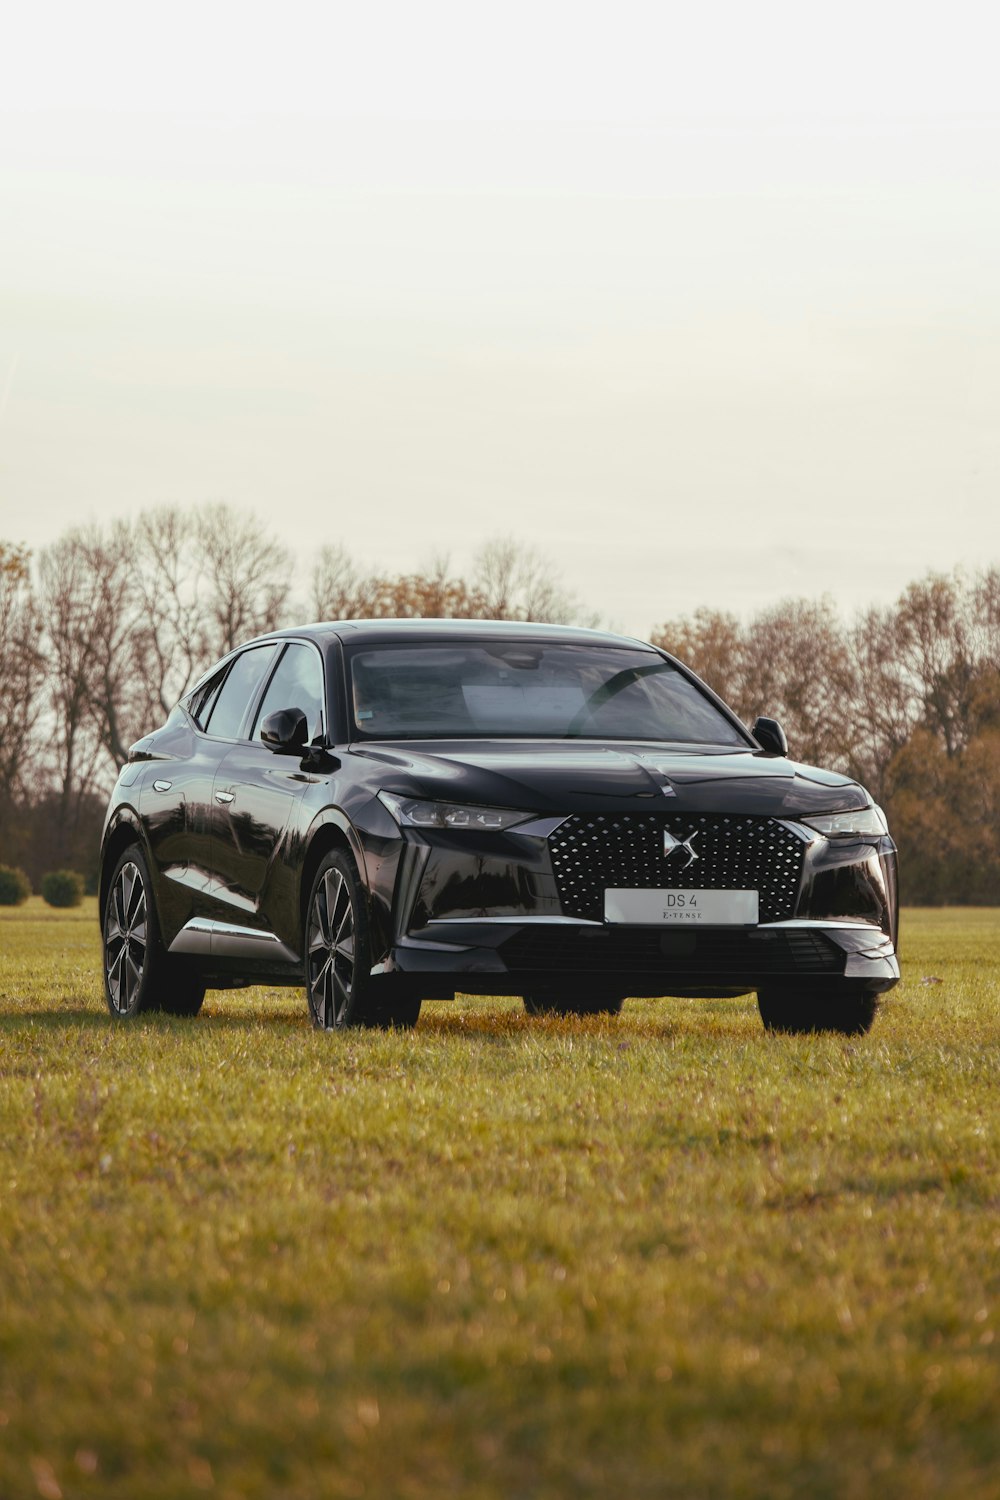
484 1018
439 1020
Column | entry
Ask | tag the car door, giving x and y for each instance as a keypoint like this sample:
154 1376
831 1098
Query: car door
176 799
256 793
221 719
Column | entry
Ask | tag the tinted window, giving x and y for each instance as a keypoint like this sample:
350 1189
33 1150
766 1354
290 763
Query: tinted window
244 678
297 683
201 703
515 689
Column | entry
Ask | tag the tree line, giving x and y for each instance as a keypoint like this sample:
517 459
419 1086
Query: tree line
102 632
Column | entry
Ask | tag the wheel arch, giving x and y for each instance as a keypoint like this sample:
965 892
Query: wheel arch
126 830
334 832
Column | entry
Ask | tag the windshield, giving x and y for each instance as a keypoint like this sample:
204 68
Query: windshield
529 690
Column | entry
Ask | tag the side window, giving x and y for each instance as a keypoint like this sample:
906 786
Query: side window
297 683
244 678
201 703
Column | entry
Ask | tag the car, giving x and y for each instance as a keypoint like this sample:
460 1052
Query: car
392 811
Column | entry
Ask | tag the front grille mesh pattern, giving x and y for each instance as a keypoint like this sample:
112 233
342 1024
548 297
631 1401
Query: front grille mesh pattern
592 852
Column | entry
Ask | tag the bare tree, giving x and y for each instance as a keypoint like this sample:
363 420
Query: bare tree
22 667
986 614
117 691
169 637
508 582
69 599
248 576
339 591
936 650
517 583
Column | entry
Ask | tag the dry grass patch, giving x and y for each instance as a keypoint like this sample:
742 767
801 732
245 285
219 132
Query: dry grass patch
664 1255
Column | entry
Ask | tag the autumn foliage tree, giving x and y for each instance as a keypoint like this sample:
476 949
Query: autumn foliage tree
906 698
789 662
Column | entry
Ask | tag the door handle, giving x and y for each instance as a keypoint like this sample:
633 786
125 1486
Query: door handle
225 798
162 786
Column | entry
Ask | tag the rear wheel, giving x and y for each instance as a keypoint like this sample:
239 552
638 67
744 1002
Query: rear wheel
339 985
848 1010
554 1002
138 975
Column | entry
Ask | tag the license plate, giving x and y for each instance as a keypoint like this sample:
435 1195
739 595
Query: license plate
681 908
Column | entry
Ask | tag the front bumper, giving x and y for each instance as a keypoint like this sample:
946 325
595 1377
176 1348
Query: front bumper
497 956
492 920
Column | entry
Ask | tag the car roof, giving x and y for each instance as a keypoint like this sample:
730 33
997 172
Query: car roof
364 632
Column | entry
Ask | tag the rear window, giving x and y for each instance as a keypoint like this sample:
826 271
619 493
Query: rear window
201 702
530 690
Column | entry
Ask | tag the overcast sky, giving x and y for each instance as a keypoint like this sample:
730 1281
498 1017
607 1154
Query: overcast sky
701 300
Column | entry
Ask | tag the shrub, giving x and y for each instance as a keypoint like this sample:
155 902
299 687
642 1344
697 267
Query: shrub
15 886
62 888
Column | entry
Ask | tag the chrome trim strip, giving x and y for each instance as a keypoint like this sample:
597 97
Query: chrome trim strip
852 922
541 827
871 966
209 885
206 938
194 937
801 830
514 921
842 922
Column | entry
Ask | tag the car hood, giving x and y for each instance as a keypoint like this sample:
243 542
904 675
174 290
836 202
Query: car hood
556 776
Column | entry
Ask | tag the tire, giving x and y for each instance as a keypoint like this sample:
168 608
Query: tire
849 1010
139 976
339 988
182 992
545 1002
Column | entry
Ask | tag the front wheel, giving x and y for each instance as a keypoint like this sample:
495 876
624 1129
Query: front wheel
339 985
848 1010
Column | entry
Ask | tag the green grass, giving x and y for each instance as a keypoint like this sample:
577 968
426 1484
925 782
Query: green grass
666 1255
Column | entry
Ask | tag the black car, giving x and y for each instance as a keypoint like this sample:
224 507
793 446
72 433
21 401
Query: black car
390 811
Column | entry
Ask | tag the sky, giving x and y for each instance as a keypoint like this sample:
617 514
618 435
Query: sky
702 302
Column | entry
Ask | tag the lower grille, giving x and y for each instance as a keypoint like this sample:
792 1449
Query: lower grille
644 950
594 852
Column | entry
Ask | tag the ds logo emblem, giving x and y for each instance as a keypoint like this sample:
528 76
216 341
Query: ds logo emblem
670 843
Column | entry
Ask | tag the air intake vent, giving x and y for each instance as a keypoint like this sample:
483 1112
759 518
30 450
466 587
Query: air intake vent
715 957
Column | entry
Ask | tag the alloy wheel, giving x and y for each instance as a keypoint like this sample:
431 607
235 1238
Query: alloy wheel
331 950
125 941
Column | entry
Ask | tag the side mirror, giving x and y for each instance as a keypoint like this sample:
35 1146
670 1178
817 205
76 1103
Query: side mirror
770 736
285 731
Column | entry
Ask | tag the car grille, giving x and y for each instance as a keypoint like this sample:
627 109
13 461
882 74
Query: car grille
594 852
719 955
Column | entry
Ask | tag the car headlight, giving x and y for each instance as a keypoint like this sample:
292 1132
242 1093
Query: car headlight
867 820
409 812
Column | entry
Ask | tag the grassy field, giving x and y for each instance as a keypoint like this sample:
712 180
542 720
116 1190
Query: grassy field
666 1255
